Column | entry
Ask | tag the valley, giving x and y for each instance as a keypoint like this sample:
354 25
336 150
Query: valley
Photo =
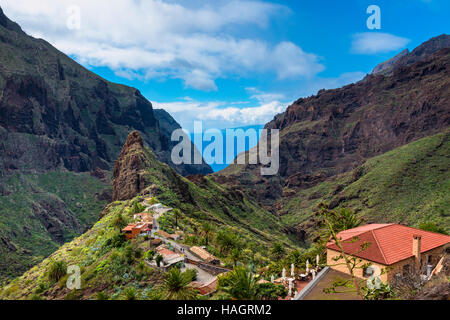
87 179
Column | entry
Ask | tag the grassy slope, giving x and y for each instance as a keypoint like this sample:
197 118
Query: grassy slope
408 185
67 192
212 202
89 251
104 267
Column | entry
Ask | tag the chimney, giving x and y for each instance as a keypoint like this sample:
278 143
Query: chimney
416 248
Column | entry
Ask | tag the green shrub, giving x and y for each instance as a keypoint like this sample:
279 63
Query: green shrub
40 288
57 270
433 227
137 208
130 293
119 222
158 259
129 255
74 295
192 274
101 296
149 255
117 241
138 253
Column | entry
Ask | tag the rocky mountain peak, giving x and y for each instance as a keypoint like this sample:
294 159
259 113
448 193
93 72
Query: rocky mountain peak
389 63
129 168
8 24
134 138
406 58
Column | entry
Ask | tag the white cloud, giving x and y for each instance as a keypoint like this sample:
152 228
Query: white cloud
220 114
160 39
264 97
375 42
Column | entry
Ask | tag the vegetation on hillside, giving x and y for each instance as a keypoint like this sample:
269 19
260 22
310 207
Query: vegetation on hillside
407 185
39 212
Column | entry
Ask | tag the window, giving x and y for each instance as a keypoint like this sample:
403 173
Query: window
430 259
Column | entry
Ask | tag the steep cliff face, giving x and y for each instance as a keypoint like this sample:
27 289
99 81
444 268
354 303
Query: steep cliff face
129 169
56 114
406 58
61 128
336 130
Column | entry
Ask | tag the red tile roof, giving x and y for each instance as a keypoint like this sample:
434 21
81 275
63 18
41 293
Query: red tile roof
130 227
165 252
389 243
205 289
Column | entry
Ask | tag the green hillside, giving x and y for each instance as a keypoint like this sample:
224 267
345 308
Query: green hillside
39 212
408 185
112 266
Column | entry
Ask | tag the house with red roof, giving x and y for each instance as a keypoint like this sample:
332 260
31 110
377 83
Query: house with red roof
394 248
134 229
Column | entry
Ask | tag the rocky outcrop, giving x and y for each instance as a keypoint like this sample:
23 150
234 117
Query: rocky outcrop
389 64
129 178
133 170
406 58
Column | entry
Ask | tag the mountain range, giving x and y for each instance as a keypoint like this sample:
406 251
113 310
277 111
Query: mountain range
61 128
334 133
77 151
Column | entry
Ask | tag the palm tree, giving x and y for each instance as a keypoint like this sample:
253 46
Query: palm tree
295 257
176 214
278 250
236 255
239 284
340 220
227 241
206 228
176 286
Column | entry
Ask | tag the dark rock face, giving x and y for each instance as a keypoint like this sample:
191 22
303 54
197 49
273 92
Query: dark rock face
64 116
406 58
128 176
168 125
56 218
131 173
389 64
336 130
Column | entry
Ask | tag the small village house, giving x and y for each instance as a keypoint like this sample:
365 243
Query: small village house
134 229
170 258
204 255
207 288
144 217
172 236
394 248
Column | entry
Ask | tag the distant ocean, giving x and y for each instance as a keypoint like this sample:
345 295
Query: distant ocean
238 147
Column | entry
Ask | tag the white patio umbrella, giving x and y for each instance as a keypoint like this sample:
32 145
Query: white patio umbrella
307 266
313 273
272 279
284 274
290 287
292 270
317 260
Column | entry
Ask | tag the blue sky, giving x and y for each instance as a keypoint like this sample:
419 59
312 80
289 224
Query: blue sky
229 63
